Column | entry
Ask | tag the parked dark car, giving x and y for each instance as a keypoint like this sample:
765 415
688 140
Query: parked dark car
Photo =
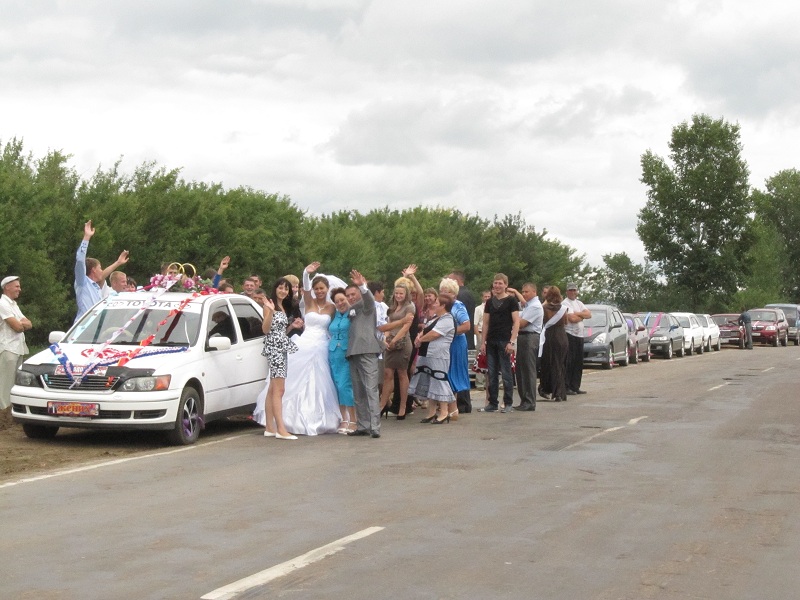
792 311
769 326
605 337
638 339
666 334
730 332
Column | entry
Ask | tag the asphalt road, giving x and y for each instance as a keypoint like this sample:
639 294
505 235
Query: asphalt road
673 479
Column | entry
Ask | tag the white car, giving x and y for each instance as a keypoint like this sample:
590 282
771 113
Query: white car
692 332
711 334
138 360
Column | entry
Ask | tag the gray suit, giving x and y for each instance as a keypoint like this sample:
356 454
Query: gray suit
362 352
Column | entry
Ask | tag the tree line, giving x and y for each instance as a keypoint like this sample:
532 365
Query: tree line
161 218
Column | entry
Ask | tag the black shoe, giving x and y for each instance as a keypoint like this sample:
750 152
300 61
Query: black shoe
402 417
358 432
572 393
580 391
427 419
489 408
556 399
438 422
525 407
374 434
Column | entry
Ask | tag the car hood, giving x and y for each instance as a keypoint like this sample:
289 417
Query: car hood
84 355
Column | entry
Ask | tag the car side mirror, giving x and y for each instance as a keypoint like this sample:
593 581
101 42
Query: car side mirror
219 343
640 328
56 336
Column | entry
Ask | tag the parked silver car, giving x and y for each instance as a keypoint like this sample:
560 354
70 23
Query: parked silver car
605 337
711 334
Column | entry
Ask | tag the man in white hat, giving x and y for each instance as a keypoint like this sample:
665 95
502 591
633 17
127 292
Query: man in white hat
13 326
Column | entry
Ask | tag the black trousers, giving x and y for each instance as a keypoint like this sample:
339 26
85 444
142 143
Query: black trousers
574 362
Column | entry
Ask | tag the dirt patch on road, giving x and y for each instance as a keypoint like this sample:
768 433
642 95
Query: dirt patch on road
22 457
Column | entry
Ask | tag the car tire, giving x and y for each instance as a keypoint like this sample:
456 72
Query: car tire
682 352
627 358
609 358
39 432
646 355
708 345
635 355
775 341
797 340
189 421
668 354
718 347
690 351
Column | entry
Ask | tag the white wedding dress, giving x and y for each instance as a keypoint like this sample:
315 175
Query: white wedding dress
310 402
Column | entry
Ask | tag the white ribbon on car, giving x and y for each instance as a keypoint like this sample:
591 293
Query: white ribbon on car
553 320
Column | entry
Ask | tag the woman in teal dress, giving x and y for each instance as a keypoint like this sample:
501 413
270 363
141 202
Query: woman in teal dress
339 329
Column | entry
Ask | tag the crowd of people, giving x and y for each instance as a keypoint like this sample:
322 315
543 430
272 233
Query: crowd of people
340 358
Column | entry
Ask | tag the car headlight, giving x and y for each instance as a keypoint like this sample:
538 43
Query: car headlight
771 328
146 384
27 379
601 338
659 338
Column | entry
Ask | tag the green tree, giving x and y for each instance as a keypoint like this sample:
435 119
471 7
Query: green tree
695 224
630 286
779 206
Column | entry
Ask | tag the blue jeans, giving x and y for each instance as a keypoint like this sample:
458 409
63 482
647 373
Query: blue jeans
497 362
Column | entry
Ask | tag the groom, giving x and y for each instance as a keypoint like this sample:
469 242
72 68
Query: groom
362 353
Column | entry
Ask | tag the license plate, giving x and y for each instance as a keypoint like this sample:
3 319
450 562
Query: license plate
73 409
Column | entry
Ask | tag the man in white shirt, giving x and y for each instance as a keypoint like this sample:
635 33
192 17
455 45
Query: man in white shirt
576 313
530 328
13 326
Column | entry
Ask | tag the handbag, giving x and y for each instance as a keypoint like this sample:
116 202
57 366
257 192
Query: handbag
479 364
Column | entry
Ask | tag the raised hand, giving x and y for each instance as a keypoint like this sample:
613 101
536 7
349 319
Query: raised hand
123 257
410 270
312 267
88 230
357 278
224 264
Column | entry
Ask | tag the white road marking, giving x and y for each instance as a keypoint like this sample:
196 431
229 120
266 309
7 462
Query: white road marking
767 369
229 591
605 431
110 463
716 387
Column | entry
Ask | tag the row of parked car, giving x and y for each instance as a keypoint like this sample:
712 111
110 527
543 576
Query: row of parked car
613 337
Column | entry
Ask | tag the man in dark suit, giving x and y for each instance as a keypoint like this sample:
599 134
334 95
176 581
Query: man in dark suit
363 349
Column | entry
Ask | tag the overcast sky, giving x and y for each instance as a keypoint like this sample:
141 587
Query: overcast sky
491 107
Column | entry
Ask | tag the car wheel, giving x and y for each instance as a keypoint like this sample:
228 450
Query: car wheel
626 360
718 347
690 351
609 358
775 341
39 432
708 345
189 420
646 355
682 351
785 341
635 355
797 340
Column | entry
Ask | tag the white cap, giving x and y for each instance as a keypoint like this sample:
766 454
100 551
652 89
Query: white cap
8 280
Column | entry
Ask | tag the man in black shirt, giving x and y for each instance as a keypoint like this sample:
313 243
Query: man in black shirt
500 328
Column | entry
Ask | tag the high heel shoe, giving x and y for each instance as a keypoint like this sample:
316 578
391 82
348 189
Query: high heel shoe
385 412
438 422
428 419
401 417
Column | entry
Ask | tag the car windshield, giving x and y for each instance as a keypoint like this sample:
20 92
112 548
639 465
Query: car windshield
789 310
684 321
763 315
598 319
726 319
129 323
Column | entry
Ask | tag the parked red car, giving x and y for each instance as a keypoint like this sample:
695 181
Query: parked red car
730 332
769 326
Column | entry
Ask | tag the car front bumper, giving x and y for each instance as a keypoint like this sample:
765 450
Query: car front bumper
119 410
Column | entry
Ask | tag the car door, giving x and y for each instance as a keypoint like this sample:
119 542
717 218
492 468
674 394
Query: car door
618 331
251 365
221 367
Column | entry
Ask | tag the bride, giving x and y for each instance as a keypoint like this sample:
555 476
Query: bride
310 402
